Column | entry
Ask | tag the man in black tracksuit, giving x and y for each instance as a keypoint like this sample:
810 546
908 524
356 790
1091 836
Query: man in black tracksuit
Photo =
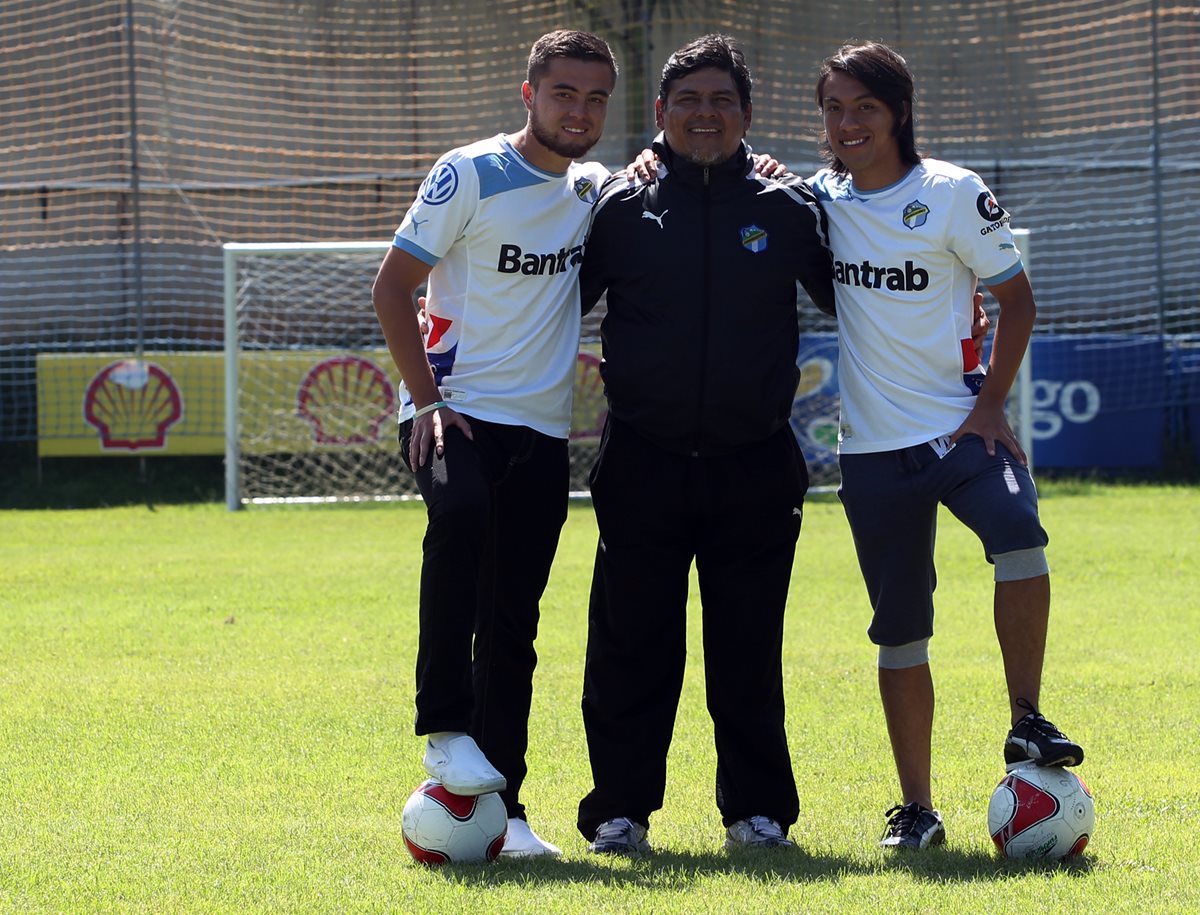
698 460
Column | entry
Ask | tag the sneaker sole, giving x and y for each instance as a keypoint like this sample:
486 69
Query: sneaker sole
531 853
623 850
474 789
938 839
754 846
1061 762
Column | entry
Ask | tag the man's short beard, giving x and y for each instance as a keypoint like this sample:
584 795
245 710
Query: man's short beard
558 146
716 157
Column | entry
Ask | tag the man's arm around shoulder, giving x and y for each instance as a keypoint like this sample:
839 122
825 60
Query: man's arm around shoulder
815 260
597 250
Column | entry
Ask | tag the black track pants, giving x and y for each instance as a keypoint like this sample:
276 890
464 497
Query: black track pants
738 516
496 506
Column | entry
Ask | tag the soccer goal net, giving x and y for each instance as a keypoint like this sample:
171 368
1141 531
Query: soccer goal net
310 388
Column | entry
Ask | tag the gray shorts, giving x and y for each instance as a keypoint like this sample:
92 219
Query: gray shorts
891 500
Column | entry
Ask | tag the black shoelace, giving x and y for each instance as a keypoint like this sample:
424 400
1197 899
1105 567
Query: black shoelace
904 819
1038 720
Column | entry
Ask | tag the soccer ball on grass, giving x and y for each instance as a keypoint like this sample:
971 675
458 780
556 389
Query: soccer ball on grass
1041 812
444 828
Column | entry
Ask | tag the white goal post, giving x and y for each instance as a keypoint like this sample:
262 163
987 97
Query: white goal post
310 388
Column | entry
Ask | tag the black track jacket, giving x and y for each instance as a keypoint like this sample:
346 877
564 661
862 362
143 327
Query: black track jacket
700 266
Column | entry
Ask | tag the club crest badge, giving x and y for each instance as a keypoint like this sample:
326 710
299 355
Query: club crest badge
585 190
754 239
915 214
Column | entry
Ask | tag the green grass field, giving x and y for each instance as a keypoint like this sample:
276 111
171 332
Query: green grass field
211 712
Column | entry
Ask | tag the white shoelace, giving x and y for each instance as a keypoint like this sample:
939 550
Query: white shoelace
765 827
613 830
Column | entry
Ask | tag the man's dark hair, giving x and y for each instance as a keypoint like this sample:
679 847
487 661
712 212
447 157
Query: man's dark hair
571 44
887 77
713 50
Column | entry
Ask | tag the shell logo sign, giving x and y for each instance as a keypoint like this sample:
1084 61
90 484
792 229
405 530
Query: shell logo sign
132 403
122 405
346 400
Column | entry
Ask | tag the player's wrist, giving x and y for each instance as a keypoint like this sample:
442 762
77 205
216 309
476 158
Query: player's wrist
429 408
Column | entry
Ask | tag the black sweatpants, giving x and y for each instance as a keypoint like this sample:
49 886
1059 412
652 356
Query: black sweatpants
738 516
496 506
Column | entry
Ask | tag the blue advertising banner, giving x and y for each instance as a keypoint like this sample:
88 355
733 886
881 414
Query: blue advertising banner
815 410
1098 400
1186 363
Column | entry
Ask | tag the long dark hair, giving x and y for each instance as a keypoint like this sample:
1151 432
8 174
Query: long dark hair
887 77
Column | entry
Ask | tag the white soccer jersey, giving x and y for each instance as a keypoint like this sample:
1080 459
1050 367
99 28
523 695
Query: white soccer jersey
505 240
906 258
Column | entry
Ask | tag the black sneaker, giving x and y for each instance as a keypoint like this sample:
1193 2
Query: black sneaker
1035 740
913 826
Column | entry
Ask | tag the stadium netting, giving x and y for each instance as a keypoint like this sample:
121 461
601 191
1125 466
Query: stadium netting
140 135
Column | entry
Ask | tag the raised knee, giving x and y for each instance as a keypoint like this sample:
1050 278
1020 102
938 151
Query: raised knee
899 657
1021 564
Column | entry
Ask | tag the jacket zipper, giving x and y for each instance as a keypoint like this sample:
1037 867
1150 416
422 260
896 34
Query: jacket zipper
707 305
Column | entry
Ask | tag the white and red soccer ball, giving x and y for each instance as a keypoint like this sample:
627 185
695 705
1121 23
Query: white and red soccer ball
444 828
1041 812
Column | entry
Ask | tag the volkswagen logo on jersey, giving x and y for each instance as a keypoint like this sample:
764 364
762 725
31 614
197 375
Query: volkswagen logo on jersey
585 190
753 238
986 204
915 214
440 185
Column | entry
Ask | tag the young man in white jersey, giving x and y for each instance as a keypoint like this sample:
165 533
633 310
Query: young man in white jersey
922 421
497 229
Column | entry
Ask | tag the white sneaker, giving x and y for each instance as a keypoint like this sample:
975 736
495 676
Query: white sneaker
757 832
523 842
621 836
455 760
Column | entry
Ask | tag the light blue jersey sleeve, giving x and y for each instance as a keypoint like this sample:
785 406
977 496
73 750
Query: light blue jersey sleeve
980 233
445 204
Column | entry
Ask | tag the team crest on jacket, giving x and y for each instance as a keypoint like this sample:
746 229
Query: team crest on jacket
585 190
915 214
754 239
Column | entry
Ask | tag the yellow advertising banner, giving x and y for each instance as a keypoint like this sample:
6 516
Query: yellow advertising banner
113 404
589 408
174 403
291 401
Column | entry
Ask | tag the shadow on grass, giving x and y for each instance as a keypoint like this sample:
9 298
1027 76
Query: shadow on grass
965 866
27 482
670 870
